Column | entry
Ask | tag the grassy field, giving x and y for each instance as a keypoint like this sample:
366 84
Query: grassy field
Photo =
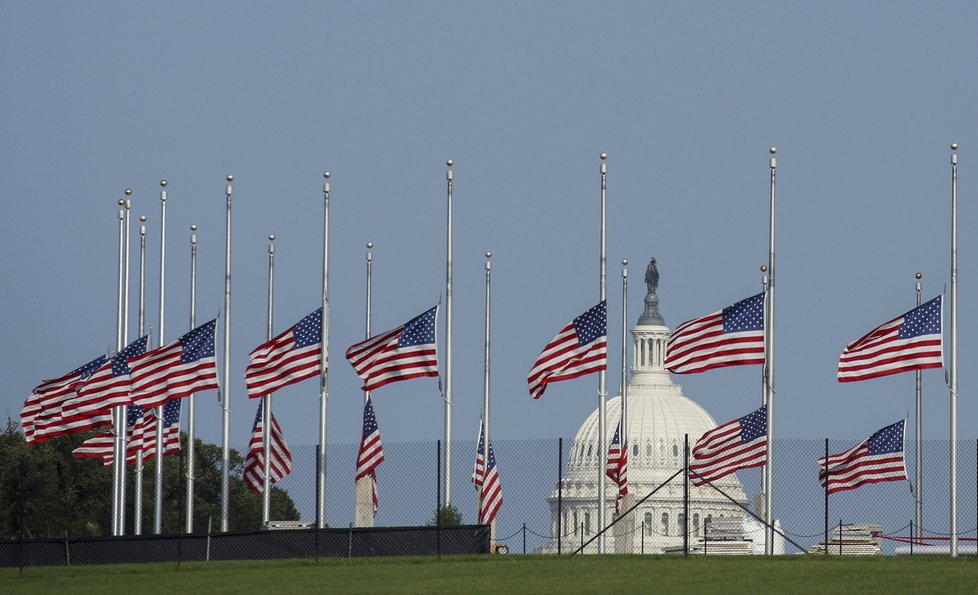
512 574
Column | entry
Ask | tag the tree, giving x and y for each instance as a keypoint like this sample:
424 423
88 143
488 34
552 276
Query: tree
448 515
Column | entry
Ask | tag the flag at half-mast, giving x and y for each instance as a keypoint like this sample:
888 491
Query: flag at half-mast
177 370
733 336
485 476
405 352
739 444
290 357
617 468
46 400
101 445
371 452
281 456
909 342
579 348
95 397
877 459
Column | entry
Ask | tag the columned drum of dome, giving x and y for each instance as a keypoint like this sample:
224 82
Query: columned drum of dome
659 417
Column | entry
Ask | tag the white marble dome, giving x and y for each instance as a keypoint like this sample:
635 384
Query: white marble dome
659 418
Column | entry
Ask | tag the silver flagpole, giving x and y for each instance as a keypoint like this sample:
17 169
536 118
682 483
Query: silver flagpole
158 484
226 391
323 376
191 413
123 418
485 392
769 366
119 439
918 472
602 402
266 409
762 500
363 488
953 381
450 177
624 355
137 525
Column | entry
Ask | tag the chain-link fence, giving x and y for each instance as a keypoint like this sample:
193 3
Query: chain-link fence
538 514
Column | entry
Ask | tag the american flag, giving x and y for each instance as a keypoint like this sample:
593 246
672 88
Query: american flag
46 400
617 468
286 359
101 445
405 352
254 470
95 397
733 336
739 444
485 476
909 342
371 451
579 348
171 430
880 458
177 370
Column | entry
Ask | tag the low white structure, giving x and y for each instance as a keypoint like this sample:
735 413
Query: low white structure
659 418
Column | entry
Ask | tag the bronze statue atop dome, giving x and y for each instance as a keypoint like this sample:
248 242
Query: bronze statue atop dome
652 276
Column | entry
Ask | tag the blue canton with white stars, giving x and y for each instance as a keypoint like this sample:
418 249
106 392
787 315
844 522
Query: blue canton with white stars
923 320
369 419
89 368
420 330
593 324
171 413
257 415
309 330
754 425
133 413
887 440
120 361
198 343
745 315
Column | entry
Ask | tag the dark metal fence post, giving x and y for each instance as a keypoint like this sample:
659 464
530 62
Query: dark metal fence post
643 537
911 537
524 538
560 492
319 523
582 537
826 470
840 537
706 533
438 501
686 495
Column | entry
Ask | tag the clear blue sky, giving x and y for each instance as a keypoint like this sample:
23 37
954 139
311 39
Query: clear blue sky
862 100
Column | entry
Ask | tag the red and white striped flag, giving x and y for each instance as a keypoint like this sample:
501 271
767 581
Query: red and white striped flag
281 456
290 357
95 397
733 336
46 400
177 370
400 354
371 452
878 459
485 476
909 342
579 348
739 444
101 445
617 468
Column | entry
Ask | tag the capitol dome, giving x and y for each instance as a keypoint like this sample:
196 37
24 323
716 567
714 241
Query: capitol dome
658 420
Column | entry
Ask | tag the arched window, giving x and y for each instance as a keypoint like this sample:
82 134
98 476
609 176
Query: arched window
696 524
648 449
587 523
589 451
675 450
635 450
648 523
575 522
665 523
681 522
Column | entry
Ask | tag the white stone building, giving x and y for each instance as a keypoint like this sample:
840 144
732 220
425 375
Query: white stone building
659 418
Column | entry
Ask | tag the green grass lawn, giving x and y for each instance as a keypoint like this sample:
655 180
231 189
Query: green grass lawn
514 574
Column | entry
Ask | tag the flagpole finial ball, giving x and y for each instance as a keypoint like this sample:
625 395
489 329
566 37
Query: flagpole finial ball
624 262
326 174
604 156
230 178
773 150
271 237
918 276
121 202
450 162
954 146
163 183
763 268
193 227
142 218
128 191
488 254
